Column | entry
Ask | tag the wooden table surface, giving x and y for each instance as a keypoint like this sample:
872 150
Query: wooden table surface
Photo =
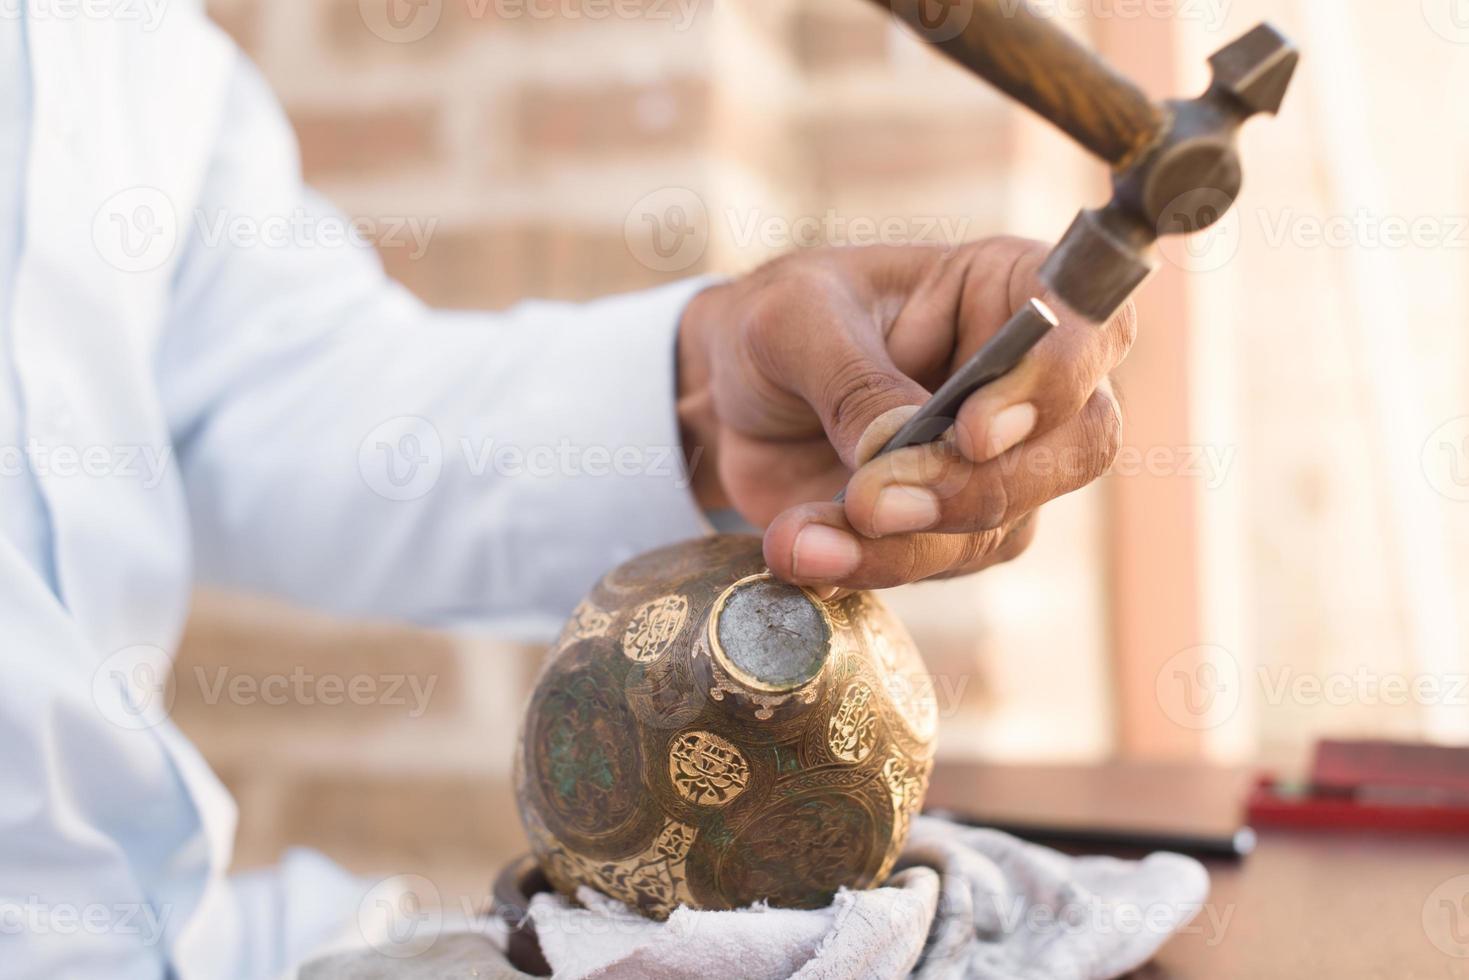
1304 905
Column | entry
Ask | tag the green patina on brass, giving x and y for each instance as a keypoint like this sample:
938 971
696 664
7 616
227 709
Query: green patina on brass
704 734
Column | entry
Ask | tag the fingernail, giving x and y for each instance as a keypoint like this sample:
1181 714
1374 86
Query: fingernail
904 510
1009 428
826 593
823 552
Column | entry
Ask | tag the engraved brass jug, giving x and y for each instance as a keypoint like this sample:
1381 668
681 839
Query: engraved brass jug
704 734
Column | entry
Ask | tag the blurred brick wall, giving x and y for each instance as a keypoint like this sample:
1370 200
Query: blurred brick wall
510 125
546 146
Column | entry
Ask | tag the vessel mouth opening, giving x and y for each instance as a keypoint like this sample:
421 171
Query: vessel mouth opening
769 635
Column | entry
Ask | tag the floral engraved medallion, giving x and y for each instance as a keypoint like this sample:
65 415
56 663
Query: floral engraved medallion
586 622
706 769
852 730
653 628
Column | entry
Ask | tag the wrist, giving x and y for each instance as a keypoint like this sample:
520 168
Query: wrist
698 424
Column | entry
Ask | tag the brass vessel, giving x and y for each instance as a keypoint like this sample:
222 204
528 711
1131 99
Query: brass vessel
704 734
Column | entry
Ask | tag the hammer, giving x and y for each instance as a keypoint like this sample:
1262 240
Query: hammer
1175 165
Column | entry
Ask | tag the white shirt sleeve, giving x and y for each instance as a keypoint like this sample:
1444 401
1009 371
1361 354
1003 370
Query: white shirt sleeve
346 447
74 792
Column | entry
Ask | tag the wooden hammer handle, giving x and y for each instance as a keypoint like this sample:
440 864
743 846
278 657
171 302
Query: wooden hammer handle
1017 50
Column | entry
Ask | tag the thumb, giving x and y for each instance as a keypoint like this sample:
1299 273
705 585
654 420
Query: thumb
859 397
881 430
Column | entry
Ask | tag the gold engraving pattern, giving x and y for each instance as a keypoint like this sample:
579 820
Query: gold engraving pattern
652 881
913 695
837 613
907 683
765 704
781 795
653 628
707 769
586 622
852 731
873 613
906 781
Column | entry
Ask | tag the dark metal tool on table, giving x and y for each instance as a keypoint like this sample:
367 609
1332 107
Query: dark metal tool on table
1175 165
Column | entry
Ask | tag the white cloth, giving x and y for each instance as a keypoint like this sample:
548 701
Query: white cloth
968 904
23 518
192 342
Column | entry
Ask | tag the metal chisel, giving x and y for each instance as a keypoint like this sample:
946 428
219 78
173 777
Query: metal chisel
1000 354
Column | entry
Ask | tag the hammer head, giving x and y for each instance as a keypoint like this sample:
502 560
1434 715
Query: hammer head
1186 181
1256 69
1193 175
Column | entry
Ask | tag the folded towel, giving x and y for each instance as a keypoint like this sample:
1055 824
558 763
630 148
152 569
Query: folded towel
965 903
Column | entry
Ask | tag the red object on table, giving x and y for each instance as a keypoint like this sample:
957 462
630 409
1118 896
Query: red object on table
1440 769
1374 786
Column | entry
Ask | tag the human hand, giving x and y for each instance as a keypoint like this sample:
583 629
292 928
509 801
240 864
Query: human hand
792 378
